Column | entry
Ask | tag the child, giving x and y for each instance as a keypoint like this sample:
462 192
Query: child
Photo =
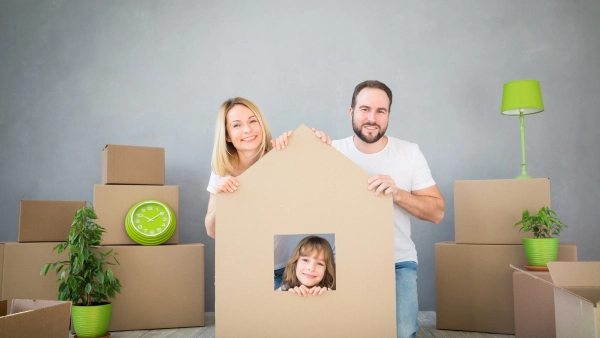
310 270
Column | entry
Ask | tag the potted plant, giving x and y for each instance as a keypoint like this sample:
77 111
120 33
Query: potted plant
85 279
543 248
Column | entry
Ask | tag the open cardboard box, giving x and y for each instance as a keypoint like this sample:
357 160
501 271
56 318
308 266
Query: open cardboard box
34 318
576 298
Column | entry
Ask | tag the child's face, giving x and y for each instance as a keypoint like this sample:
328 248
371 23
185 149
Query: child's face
310 270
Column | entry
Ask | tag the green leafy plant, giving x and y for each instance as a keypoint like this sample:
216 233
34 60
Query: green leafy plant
544 224
85 278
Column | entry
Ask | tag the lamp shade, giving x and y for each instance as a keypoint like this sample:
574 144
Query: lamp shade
522 96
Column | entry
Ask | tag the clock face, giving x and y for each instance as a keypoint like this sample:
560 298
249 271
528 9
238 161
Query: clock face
150 218
150 222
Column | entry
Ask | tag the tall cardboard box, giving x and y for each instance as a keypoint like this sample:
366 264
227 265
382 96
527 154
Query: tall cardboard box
112 203
34 318
485 211
576 288
46 221
163 286
474 290
133 165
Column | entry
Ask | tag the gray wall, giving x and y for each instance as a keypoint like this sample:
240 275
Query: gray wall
76 75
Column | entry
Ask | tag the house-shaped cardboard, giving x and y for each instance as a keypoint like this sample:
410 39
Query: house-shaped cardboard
307 188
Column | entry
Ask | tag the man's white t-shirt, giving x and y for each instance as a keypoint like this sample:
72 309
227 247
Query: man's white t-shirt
281 242
406 165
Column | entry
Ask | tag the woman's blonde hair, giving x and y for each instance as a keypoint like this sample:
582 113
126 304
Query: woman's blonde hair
225 158
305 248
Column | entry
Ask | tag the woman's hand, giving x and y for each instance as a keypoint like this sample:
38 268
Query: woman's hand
282 141
226 184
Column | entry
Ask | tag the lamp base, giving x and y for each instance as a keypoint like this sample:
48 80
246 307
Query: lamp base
524 175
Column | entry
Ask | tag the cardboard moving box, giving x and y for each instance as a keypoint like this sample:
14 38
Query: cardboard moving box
133 165
34 318
46 221
534 306
163 286
576 298
474 290
485 211
112 202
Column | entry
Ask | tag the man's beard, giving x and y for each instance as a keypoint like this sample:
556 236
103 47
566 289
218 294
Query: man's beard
366 138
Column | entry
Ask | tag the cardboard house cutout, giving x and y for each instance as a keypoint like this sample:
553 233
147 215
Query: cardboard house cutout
307 188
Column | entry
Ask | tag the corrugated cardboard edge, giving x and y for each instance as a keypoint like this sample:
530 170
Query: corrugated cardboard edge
104 169
552 284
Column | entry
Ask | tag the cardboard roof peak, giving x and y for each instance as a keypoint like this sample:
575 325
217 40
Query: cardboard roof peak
303 145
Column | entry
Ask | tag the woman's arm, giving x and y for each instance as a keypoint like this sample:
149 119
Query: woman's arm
209 220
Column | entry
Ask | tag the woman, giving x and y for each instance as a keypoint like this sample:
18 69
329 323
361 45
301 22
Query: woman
242 137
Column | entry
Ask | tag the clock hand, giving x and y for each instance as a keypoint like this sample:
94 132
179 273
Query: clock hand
152 219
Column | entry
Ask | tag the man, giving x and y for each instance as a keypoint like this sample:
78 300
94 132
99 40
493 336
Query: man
398 168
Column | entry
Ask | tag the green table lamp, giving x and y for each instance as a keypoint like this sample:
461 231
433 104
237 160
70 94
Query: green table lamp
521 98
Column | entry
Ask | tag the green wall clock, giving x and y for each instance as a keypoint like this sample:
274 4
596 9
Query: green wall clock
150 222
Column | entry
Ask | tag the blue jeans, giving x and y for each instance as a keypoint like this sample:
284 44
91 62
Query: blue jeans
278 276
407 304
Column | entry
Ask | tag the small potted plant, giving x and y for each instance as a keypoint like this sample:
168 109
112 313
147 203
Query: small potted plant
85 279
543 248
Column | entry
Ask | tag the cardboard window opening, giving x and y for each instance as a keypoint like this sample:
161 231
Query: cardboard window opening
292 240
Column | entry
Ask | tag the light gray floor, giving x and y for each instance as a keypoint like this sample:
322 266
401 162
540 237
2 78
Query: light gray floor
426 330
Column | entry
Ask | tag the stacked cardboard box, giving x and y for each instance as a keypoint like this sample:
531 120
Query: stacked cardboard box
474 281
163 286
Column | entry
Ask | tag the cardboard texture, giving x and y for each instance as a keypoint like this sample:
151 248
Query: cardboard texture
133 165
163 286
34 318
576 288
485 211
534 306
474 290
308 187
112 202
22 265
46 221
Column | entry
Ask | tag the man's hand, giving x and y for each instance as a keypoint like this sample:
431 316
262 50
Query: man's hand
226 184
426 204
383 184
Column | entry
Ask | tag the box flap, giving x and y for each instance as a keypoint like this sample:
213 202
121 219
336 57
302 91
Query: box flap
575 274
590 294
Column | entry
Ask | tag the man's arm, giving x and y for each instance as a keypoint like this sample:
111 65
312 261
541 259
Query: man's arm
426 204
